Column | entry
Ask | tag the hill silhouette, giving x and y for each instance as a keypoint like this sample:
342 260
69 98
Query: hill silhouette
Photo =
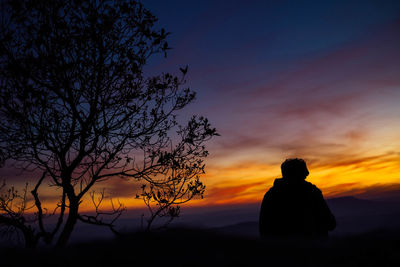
354 216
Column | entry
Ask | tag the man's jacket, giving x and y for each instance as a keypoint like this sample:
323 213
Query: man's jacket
295 209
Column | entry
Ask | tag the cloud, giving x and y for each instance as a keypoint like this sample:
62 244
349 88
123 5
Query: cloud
374 162
120 187
228 194
390 191
336 81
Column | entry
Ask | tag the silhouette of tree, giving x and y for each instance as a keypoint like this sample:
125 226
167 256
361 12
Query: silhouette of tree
13 206
76 107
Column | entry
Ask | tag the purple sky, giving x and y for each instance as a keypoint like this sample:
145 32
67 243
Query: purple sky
313 79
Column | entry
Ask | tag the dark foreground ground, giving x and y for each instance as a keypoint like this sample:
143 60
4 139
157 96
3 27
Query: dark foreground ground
185 247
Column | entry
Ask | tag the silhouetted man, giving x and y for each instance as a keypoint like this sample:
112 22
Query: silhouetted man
294 207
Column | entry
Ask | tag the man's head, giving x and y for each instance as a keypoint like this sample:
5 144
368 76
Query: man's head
294 169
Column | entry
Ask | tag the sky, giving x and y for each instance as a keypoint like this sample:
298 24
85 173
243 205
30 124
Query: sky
318 80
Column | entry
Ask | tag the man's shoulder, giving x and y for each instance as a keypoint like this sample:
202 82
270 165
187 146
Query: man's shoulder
312 187
278 182
275 187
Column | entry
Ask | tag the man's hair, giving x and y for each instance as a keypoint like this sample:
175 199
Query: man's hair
294 168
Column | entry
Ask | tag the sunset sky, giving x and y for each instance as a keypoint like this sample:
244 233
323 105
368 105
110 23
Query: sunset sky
318 80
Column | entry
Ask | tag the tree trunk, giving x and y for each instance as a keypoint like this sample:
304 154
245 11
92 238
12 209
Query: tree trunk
69 225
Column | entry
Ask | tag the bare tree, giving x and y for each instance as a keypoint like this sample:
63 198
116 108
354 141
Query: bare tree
164 196
13 206
76 107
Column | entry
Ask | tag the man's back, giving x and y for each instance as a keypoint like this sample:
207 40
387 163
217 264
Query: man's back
295 208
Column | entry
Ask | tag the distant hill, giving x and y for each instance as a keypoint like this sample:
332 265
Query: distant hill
353 215
345 206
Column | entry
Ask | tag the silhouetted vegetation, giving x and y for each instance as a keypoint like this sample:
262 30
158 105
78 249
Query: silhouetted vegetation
76 108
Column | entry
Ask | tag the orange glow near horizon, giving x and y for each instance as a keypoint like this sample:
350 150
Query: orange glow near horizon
247 182
361 178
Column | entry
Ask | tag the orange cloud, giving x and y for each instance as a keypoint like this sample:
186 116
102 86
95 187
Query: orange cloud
232 194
